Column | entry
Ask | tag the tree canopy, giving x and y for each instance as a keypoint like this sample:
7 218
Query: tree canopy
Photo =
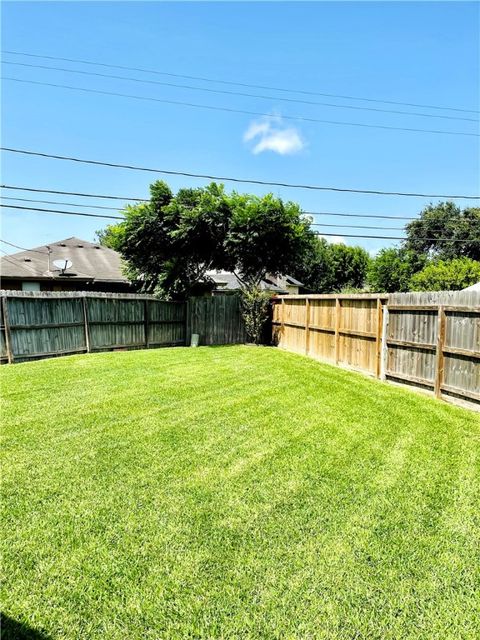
170 243
445 231
441 252
392 269
329 268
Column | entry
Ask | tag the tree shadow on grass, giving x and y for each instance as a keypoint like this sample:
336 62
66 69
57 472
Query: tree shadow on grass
14 630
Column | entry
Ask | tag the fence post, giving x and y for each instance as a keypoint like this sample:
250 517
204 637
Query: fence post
187 319
307 325
282 320
378 339
145 321
6 324
439 352
85 322
384 345
338 310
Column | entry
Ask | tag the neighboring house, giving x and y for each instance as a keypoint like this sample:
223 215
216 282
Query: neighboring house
227 282
91 267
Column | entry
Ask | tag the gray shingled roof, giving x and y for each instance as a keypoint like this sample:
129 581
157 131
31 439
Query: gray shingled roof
89 261
226 281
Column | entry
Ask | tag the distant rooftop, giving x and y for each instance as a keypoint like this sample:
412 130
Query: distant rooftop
228 281
90 261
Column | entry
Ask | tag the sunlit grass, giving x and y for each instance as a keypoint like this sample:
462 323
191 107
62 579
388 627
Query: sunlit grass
234 492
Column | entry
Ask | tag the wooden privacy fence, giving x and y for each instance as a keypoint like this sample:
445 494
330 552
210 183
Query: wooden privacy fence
433 340
217 319
342 329
38 325
427 340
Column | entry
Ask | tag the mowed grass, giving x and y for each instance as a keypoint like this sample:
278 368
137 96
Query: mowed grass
234 492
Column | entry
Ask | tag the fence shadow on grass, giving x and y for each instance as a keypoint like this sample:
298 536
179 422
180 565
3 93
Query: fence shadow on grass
14 630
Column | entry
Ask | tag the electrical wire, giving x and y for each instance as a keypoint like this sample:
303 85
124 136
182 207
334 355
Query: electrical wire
65 213
67 204
236 93
95 206
77 213
22 248
72 193
195 105
92 195
235 83
230 179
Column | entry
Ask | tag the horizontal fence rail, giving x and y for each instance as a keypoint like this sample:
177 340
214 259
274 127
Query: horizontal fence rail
344 330
46 324
433 341
430 340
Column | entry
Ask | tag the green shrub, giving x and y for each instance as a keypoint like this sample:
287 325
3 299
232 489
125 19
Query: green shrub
446 275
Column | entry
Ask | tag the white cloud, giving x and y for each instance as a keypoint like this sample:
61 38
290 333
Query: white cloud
271 134
334 239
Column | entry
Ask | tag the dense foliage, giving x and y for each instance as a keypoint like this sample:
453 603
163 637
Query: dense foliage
392 269
255 311
445 231
327 268
441 252
171 243
447 275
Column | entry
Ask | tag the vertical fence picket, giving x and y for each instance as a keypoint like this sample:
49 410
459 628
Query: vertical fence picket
307 326
338 313
439 356
8 336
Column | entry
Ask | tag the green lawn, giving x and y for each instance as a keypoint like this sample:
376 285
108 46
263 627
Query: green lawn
234 492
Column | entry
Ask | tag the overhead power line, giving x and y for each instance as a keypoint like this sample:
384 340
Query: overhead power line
236 93
195 105
231 179
66 204
22 248
93 195
92 215
96 206
305 213
238 84
66 213
72 193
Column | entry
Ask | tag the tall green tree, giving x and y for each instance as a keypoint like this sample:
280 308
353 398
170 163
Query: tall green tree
171 243
350 265
329 268
445 231
265 235
315 267
392 269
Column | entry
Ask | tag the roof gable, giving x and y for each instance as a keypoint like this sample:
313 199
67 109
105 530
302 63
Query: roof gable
89 261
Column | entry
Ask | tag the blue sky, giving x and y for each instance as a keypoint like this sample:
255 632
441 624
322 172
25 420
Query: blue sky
425 53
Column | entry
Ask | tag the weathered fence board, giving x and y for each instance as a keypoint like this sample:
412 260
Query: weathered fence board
434 342
431 340
165 322
216 319
4 350
115 323
45 324
341 329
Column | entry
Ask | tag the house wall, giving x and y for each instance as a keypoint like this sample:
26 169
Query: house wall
9 284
